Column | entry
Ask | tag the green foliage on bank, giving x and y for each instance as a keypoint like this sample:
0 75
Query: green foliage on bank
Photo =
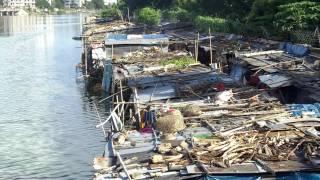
203 23
149 16
177 14
265 18
110 12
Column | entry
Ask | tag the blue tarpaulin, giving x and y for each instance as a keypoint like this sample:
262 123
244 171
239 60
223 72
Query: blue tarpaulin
107 76
298 110
296 50
280 176
237 72
121 37
154 36
116 37
239 177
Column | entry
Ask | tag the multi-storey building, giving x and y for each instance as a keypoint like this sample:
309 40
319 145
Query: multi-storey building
110 2
20 3
73 3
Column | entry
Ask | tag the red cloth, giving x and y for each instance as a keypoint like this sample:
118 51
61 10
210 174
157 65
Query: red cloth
254 80
146 130
219 86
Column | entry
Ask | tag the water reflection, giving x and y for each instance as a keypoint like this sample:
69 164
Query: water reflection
47 127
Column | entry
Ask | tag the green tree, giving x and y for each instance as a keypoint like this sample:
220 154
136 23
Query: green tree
97 4
263 11
110 12
149 16
42 4
300 15
58 4
88 5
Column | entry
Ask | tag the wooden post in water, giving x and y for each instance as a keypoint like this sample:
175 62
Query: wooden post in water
85 56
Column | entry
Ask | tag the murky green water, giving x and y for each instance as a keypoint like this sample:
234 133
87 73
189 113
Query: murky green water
47 121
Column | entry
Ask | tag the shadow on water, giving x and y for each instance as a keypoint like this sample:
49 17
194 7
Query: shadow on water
48 120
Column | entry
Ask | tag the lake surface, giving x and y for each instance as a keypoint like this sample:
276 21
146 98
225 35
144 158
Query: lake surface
47 120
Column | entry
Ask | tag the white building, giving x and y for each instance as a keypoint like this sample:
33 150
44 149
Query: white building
73 3
110 2
20 3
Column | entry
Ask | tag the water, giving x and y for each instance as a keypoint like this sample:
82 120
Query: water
47 121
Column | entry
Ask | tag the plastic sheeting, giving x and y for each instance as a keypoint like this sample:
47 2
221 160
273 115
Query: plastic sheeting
154 36
299 176
298 110
107 75
275 80
116 37
281 176
237 72
297 50
121 37
239 177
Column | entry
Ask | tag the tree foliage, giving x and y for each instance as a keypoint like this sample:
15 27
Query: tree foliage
109 12
261 17
149 16
42 4
97 4
300 15
177 14
214 23
58 4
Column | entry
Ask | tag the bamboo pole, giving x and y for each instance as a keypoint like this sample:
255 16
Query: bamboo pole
112 95
123 165
210 47
137 104
130 113
198 42
112 51
99 117
109 117
121 97
195 50
117 99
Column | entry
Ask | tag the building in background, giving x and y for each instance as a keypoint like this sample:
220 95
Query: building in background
19 3
74 3
110 2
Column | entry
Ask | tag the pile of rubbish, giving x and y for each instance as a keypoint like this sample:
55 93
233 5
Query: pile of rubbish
195 120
